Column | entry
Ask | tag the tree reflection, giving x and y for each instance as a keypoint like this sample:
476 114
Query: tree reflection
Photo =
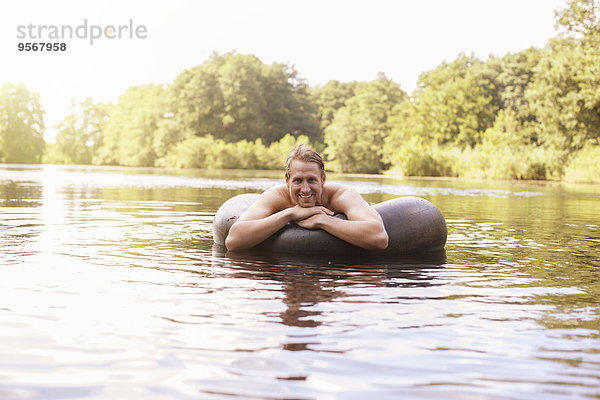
308 281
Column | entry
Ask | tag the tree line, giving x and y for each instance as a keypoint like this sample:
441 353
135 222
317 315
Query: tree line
534 114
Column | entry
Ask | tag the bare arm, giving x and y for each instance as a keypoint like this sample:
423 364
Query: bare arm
264 218
364 227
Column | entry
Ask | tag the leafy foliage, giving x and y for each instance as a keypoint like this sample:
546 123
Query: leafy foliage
534 114
21 125
128 137
235 97
354 140
80 134
210 153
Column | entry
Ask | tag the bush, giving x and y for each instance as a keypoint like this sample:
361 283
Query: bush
416 158
209 153
583 166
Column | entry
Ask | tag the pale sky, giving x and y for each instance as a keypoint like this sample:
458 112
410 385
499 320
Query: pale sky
325 39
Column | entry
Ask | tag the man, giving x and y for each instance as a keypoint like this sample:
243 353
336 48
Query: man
305 199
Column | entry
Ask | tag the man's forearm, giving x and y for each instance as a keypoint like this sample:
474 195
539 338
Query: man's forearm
366 234
248 233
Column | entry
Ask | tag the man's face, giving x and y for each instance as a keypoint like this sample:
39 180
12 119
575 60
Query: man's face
305 183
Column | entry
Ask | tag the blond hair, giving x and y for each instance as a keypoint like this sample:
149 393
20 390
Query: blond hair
303 153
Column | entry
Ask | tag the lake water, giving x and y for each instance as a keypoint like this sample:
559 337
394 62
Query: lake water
110 289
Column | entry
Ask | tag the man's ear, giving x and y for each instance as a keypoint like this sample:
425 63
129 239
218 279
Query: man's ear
287 180
324 177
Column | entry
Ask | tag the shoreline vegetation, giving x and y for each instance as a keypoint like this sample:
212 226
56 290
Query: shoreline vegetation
531 115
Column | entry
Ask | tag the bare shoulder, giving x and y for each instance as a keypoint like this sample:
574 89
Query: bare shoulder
277 197
269 202
348 201
342 198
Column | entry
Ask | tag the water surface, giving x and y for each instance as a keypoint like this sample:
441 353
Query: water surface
109 288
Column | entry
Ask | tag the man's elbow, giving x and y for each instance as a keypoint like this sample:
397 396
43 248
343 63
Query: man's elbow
232 244
228 243
379 241
383 241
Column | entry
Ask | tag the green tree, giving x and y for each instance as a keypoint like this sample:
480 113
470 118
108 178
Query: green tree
21 125
80 133
505 148
456 102
356 136
331 97
580 18
128 136
198 105
240 83
513 76
235 97
451 108
564 94
289 106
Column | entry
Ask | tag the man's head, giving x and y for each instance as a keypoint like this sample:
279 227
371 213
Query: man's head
304 153
305 176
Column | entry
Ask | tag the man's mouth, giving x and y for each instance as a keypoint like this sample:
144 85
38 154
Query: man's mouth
305 196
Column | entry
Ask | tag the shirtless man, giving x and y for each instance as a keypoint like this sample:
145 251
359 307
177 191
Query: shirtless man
306 200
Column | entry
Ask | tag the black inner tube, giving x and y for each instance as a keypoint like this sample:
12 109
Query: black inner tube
414 225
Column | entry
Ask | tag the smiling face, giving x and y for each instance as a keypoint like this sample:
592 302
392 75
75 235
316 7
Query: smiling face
305 183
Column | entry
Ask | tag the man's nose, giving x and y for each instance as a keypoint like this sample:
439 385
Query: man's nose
305 187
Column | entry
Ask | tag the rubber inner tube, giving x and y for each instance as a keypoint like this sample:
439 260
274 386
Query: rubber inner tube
414 225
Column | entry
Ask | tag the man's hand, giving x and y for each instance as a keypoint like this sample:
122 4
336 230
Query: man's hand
301 215
313 222
271 212
262 220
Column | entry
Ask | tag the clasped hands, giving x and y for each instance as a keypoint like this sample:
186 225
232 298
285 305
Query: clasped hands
309 217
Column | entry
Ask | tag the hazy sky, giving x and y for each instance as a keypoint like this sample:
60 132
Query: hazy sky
325 39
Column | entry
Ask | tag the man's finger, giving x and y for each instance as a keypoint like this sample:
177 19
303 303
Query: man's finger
327 211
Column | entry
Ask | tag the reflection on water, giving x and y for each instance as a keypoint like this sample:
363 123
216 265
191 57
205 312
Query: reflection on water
110 288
